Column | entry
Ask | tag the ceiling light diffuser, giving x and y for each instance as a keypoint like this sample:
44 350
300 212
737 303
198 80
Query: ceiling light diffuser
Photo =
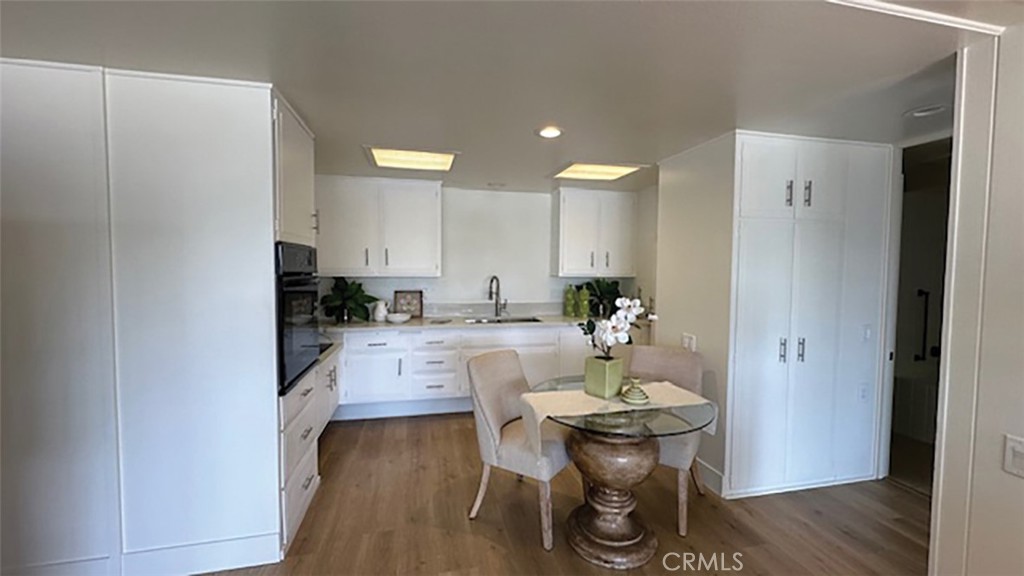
549 132
580 171
411 159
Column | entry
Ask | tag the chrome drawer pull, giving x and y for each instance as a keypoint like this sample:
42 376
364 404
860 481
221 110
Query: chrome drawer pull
376 344
307 432
435 386
309 480
306 392
789 192
434 342
435 362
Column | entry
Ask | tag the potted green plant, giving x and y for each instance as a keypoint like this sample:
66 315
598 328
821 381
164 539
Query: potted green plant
602 296
347 300
603 373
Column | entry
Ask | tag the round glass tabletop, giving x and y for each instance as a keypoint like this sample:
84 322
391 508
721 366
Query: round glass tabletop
629 421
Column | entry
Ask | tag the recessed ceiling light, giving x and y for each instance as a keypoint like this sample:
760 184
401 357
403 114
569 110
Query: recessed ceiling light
411 159
926 111
580 171
549 132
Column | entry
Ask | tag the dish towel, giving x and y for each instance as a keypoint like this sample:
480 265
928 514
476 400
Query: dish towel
536 406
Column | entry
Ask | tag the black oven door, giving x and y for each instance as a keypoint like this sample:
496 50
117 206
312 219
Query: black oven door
298 334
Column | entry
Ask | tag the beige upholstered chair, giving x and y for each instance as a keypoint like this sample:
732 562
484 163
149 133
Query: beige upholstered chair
684 369
497 381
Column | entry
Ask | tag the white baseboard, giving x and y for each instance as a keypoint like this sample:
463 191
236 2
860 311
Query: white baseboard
766 490
204 557
712 477
99 566
406 408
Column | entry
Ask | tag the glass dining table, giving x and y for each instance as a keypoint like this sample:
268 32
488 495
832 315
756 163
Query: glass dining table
615 449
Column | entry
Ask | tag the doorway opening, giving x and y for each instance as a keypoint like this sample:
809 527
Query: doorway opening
922 271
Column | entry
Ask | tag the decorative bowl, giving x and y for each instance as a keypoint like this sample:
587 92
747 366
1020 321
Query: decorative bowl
399 317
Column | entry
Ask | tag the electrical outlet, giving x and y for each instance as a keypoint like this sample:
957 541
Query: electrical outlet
689 341
1013 458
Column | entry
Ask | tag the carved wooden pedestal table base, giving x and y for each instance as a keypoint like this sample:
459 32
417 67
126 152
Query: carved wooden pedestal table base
603 530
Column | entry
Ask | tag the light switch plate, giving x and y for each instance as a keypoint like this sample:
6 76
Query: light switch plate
689 341
1013 458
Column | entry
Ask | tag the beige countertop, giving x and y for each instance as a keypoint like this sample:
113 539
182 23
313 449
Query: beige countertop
454 323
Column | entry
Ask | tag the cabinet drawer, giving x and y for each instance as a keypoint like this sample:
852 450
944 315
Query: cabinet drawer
510 338
298 493
441 385
437 339
435 361
375 341
297 438
298 397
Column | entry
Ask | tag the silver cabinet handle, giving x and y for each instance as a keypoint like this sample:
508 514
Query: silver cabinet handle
307 482
376 344
808 190
435 386
307 432
387 257
399 366
782 350
306 392
789 192
800 342
591 258
607 259
316 221
366 256
435 362
434 342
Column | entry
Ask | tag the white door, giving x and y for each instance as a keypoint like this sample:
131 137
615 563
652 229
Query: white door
349 227
296 204
615 257
375 377
411 217
767 177
579 215
763 352
817 291
821 183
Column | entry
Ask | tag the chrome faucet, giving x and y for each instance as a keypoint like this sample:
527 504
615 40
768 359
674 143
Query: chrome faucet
494 293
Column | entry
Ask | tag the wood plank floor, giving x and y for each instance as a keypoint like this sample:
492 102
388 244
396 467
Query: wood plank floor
396 493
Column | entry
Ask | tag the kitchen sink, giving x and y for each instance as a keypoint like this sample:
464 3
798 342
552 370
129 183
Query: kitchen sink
503 320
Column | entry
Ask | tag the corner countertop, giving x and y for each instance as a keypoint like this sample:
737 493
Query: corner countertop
453 323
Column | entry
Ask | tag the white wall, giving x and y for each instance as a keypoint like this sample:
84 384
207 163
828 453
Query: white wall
996 522
645 230
695 232
486 232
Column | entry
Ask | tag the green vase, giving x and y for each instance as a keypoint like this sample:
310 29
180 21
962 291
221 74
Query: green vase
602 377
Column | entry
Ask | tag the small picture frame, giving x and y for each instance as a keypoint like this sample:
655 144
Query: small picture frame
410 302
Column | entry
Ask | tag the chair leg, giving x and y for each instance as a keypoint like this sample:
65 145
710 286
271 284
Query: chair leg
547 535
698 482
681 497
480 492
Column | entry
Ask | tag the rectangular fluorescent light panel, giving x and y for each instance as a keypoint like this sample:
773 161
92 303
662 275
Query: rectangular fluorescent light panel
596 171
412 159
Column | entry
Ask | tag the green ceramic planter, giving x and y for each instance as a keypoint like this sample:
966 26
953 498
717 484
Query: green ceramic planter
601 377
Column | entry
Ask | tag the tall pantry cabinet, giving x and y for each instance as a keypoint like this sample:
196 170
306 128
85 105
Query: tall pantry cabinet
807 273
140 408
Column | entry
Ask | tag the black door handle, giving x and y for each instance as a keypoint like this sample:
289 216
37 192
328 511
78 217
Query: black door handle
923 355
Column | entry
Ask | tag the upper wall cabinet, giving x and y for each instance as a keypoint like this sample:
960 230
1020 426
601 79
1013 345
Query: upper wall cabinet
593 230
379 227
295 209
785 178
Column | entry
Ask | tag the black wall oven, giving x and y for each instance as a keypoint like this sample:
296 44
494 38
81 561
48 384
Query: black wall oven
298 337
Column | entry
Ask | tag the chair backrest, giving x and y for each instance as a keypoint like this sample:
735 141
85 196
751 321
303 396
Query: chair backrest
675 364
496 380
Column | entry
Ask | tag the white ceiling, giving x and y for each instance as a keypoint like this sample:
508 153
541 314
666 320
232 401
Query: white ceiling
629 82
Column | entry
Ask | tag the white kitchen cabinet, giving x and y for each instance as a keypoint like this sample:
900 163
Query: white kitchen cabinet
60 508
375 368
594 232
573 349
295 214
766 176
822 178
378 227
328 375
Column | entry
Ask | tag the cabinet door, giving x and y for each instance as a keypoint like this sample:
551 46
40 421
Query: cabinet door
616 256
579 222
348 243
822 170
411 217
375 377
295 202
539 363
817 289
763 352
767 177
